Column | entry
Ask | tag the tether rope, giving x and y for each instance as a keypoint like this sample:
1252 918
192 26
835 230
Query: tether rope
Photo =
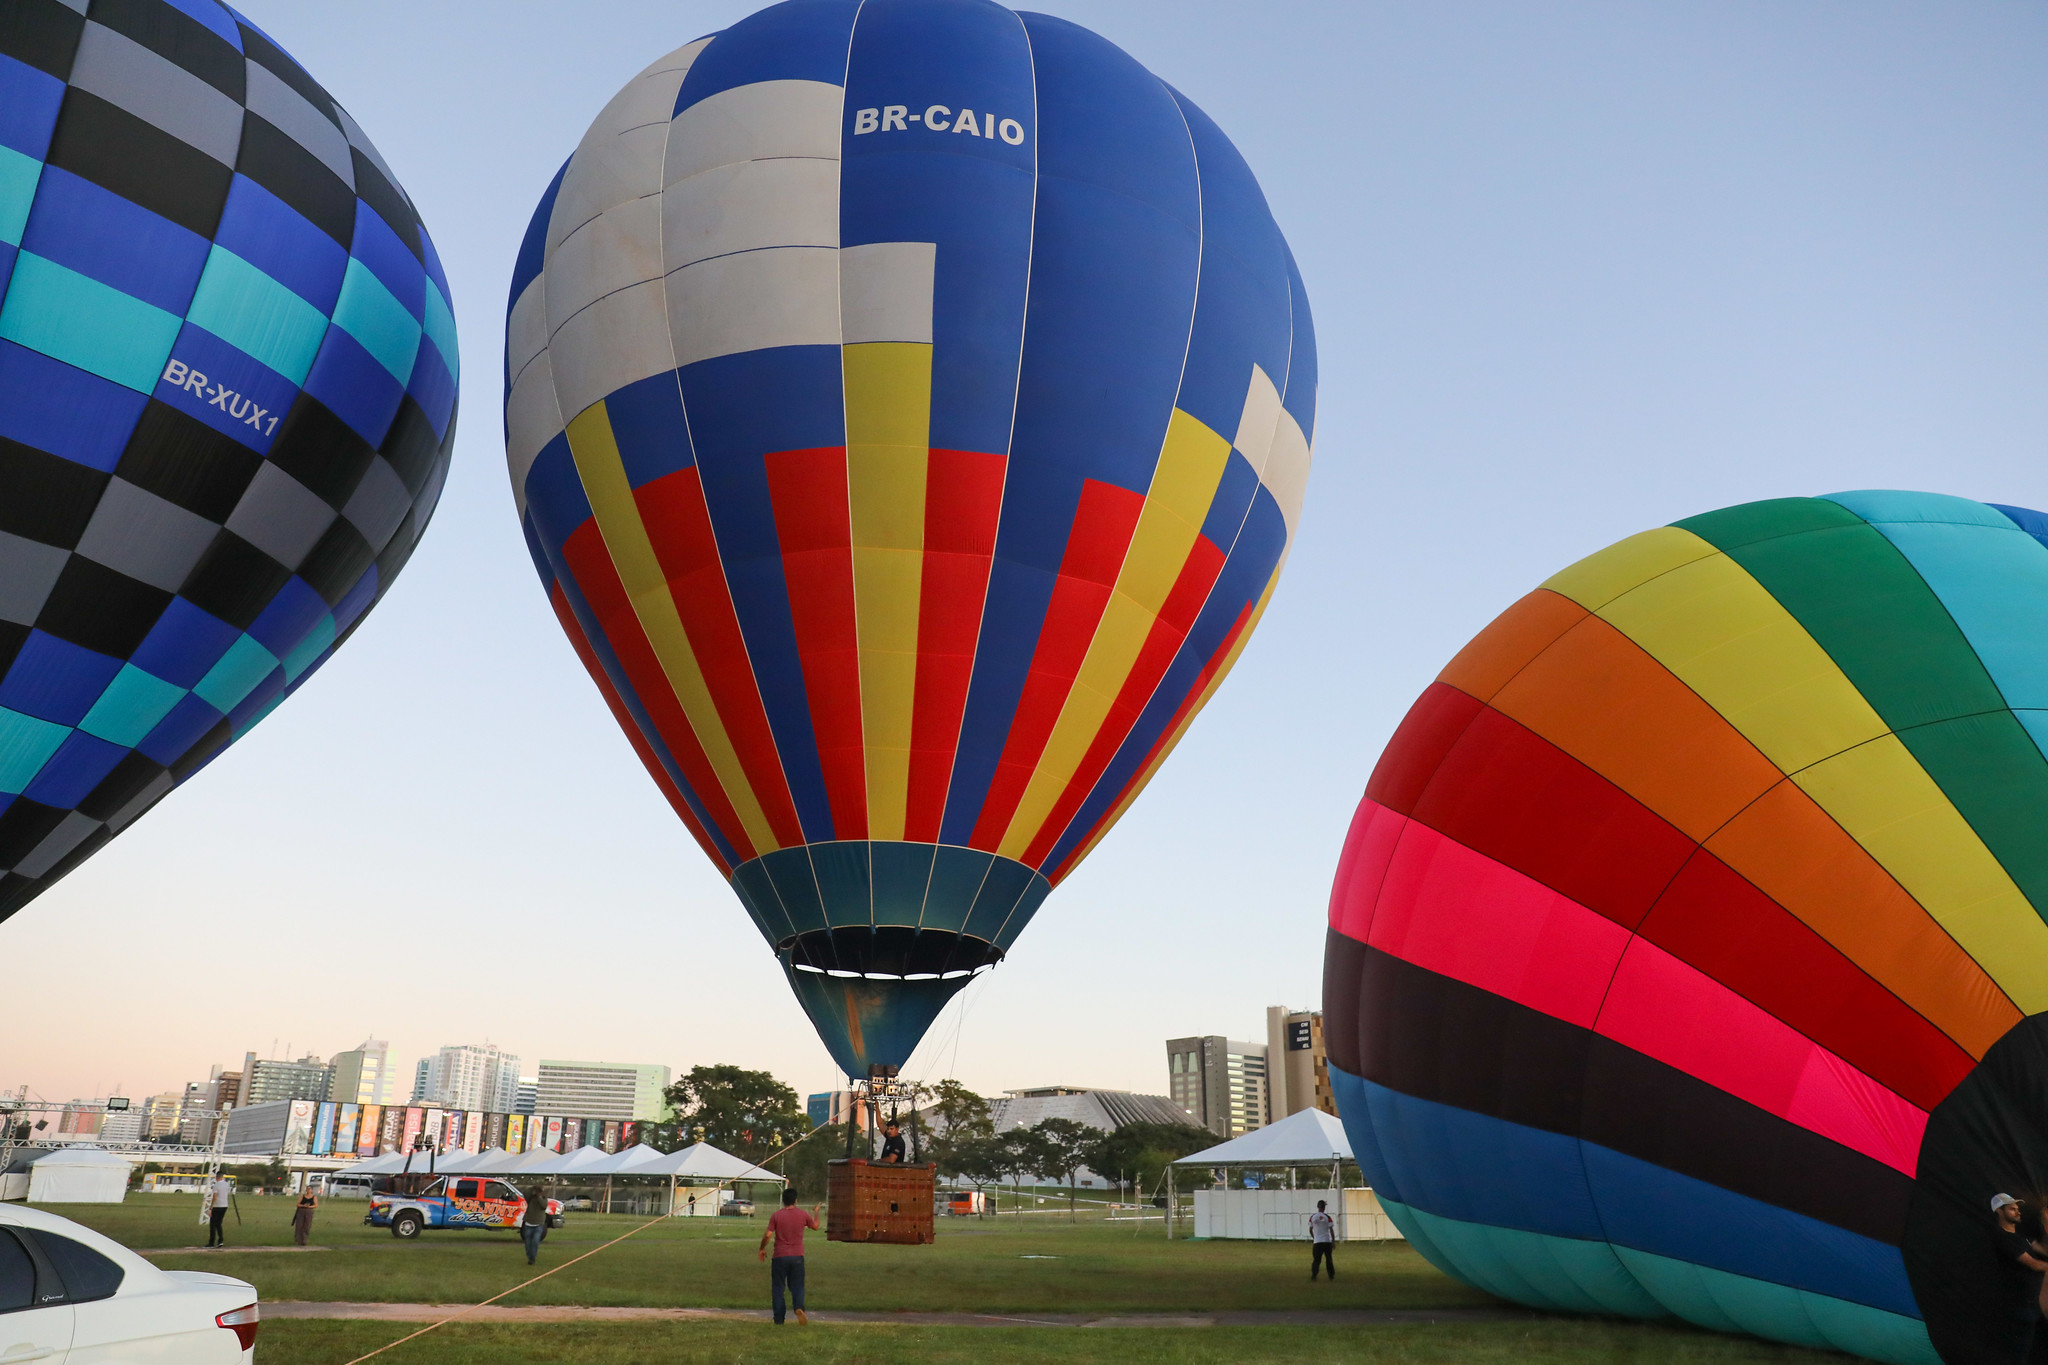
453 1317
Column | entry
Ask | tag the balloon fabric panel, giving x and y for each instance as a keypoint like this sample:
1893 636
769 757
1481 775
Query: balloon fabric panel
227 399
1693 883
911 455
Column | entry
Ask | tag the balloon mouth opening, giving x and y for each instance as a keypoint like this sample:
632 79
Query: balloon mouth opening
888 953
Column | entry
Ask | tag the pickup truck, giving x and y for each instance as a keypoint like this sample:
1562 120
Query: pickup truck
453 1201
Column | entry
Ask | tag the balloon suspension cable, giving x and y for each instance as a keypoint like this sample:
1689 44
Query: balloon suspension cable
630 1232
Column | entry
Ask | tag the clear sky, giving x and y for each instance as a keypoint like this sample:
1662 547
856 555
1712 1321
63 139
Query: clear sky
1578 269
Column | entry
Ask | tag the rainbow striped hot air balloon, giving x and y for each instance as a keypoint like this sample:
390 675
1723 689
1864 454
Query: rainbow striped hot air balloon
1687 950
908 406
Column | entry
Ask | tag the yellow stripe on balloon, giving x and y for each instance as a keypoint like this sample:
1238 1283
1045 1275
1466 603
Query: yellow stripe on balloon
1702 616
888 440
1146 773
1881 795
1184 484
596 453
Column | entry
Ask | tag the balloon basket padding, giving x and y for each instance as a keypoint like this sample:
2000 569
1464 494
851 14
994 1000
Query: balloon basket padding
871 1202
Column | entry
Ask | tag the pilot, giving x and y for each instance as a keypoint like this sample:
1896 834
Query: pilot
892 1145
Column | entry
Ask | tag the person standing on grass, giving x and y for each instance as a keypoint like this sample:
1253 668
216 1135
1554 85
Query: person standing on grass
302 1217
216 1221
1322 1237
786 1227
533 1224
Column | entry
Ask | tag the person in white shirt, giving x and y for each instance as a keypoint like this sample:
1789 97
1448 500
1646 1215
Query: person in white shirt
1322 1236
216 1229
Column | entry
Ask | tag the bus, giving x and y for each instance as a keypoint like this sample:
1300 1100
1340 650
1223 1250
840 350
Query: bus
175 1182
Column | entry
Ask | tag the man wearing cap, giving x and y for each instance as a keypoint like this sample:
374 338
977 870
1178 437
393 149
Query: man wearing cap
2025 1261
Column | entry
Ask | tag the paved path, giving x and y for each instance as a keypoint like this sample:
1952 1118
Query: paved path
1330 1317
203 1251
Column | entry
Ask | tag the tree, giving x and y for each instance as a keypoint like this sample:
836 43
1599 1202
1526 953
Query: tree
958 1130
806 1165
1145 1150
1063 1147
1013 1153
747 1113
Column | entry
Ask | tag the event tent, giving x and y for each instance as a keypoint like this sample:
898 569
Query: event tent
702 1161
1308 1138
79 1174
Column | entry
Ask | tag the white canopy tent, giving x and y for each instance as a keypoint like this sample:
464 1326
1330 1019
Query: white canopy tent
80 1174
1308 1139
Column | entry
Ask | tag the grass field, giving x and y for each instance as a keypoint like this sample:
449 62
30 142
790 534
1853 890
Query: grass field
1033 1264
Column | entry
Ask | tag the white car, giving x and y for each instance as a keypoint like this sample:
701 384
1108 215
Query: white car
69 1296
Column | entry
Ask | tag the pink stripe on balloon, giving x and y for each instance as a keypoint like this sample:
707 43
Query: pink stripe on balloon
1677 1014
1368 848
1463 915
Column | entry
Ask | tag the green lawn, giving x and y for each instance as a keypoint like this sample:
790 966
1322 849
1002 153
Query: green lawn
1538 1342
1032 1264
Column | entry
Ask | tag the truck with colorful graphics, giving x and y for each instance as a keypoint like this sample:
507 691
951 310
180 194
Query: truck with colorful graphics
412 1206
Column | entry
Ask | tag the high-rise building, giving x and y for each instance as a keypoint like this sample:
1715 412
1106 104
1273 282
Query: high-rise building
603 1090
1220 1081
529 1095
1297 1067
422 1071
122 1125
473 1076
363 1075
266 1079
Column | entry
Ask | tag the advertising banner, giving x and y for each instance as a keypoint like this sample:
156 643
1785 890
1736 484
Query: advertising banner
448 1132
629 1134
392 1136
515 1133
554 1142
367 1129
298 1128
572 1134
345 1120
415 1124
473 1131
611 1136
323 1129
494 1130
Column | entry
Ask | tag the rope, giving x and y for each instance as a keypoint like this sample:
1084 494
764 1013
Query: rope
452 1317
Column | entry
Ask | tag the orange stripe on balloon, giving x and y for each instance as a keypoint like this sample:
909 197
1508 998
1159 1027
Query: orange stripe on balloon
656 769
1513 638
1096 544
591 563
813 525
679 529
963 506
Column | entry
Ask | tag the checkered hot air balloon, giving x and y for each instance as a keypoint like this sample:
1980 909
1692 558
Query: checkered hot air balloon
227 395
908 408
1687 953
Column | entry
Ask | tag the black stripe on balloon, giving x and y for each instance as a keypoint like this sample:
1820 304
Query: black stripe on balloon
1426 1035
178 38
139 161
41 33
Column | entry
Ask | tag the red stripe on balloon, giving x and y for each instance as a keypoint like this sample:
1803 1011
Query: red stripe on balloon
1101 533
656 769
1514 797
679 526
1152 755
1424 736
813 523
963 504
591 563
1176 618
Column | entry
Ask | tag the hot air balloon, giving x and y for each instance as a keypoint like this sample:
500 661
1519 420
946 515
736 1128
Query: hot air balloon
1687 953
908 408
227 393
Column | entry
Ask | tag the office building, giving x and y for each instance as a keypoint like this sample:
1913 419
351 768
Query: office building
1220 1081
1297 1067
81 1119
121 1125
421 1070
1107 1110
265 1080
363 1075
603 1090
160 1114
473 1077
529 1095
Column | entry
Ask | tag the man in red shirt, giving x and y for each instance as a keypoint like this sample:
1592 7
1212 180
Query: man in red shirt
786 1226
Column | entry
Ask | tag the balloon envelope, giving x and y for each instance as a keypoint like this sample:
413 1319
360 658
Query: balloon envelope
227 395
908 408
1687 952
